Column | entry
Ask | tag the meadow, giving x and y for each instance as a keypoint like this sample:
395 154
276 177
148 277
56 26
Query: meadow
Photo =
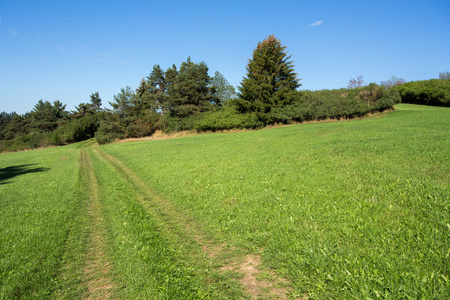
354 209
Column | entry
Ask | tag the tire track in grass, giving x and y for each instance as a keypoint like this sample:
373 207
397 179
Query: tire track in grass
185 230
98 267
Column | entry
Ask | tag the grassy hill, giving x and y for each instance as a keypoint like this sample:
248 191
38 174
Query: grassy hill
355 209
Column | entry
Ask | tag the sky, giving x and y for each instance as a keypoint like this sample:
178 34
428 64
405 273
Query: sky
67 50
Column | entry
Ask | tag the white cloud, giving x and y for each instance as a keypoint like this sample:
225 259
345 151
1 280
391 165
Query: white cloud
317 23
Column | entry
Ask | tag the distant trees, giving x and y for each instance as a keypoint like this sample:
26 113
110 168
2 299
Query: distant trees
86 109
5 120
355 82
124 102
188 98
393 81
270 82
156 93
46 117
164 100
444 75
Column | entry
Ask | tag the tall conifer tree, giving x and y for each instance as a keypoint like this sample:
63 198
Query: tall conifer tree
156 94
271 81
191 92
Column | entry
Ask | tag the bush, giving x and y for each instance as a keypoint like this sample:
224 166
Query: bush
109 131
427 92
337 104
76 130
225 119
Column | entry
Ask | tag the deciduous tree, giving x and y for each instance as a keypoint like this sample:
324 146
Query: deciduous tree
444 75
393 81
224 90
355 82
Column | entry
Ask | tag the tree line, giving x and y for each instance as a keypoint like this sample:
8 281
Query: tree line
188 98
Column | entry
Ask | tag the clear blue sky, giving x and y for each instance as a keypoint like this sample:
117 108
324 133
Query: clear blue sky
67 50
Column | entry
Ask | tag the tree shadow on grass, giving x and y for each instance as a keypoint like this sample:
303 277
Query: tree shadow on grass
13 171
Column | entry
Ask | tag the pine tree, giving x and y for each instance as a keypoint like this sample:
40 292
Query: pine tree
96 102
270 81
171 86
190 92
45 116
156 94
124 102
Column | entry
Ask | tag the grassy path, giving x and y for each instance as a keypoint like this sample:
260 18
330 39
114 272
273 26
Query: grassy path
98 266
222 260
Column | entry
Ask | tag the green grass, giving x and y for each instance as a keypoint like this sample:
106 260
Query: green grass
153 258
39 234
342 210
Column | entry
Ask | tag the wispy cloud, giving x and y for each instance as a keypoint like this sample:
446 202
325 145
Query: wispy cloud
317 23
13 31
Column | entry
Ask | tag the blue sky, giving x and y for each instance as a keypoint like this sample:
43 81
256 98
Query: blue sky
67 50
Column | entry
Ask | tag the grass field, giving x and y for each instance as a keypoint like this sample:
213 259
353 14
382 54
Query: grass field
345 210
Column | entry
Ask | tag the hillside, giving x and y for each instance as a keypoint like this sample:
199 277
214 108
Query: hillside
355 209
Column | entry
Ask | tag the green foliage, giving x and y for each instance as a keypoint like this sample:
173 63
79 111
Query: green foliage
224 90
86 109
337 104
225 119
190 92
19 125
428 92
46 117
270 81
109 131
112 127
77 130
156 93
5 120
124 103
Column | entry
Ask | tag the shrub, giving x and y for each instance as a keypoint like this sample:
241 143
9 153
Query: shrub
428 92
109 131
76 130
224 119
337 104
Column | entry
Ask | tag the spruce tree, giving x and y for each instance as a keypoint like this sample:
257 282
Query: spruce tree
156 94
191 93
270 81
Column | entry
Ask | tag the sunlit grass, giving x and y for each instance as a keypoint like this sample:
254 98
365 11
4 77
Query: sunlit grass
345 210
39 234
350 209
